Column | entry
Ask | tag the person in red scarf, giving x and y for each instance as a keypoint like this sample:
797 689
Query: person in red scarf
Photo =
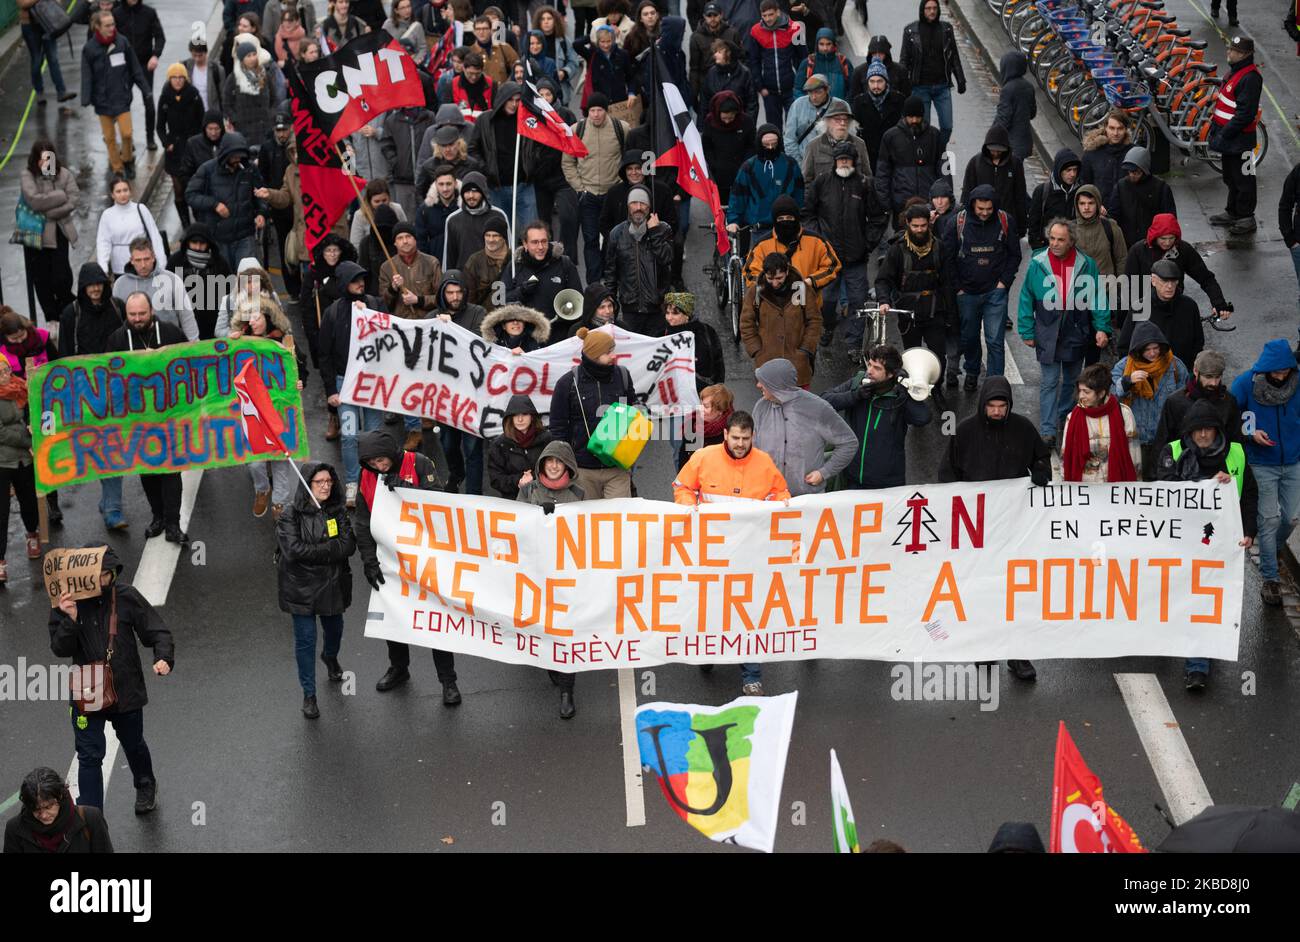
512 456
553 482
51 822
716 405
1101 439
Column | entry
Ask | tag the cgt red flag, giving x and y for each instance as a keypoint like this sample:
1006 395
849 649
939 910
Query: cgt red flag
364 78
263 426
678 144
540 122
1082 822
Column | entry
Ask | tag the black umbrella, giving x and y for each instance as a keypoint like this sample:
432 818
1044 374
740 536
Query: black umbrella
1235 829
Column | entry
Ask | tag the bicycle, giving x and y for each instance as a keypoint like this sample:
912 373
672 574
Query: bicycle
1216 321
727 272
877 331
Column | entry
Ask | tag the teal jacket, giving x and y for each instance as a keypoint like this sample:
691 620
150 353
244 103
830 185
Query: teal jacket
1061 335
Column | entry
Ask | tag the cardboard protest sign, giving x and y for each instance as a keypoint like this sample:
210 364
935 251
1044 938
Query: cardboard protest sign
73 572
935 572
152 411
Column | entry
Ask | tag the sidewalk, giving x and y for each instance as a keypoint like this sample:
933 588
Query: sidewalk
75 132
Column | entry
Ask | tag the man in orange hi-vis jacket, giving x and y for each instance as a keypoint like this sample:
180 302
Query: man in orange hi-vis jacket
734 470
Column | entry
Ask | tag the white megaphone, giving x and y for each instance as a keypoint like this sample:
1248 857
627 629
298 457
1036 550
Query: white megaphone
568 305
921 371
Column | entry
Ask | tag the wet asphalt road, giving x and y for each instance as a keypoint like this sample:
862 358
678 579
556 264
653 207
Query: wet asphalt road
399 771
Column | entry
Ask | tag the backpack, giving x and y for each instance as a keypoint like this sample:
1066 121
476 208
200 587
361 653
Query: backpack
961 226
581 126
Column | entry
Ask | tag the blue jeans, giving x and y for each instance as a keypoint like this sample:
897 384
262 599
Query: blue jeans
88 733
465 456
1279 501
1295 260
751 673
527 208
589 206
353 420
1201 664
848 291
304 646
989 309
776 105
941 97
110 499
239 249
43 48
1056 395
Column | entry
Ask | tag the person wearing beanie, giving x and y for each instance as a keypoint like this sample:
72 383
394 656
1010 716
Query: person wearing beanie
463 235
577 404
776 322
254 88
638 258
593 176
631 172
917 275
763 178
828 62
180 117
540 271
808 253
679 313
1138 196
197 258
1236 115
880 49
930 57
877 108
1207 386
408 281
911 159
484 268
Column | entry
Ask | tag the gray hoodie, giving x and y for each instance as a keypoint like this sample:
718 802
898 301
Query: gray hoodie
535 492
797 428
166 293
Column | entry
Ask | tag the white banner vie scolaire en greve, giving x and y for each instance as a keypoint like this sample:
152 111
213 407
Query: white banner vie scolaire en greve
937 572
439 370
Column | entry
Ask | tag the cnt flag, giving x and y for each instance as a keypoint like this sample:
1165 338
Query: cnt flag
677 143
1082 822
263 426
540 122
364 78
322 178
721 768
846 828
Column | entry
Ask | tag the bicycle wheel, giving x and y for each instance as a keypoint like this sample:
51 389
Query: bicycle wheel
1017 19
1054 59
1031 31
1063 80
1142 133
1094 117
1083 102
735 296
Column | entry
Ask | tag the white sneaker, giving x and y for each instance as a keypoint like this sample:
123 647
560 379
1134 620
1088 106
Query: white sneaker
351 493
752 690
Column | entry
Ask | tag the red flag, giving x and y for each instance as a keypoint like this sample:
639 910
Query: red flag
263 426
542 123
1082 822
364 78
678 144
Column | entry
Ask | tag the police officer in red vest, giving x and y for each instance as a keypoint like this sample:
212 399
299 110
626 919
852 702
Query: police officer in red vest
383 461
1236 114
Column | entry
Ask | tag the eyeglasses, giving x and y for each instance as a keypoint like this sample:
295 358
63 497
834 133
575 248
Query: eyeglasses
322 482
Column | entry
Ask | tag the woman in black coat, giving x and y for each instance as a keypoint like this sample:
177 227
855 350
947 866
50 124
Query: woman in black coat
315 540
512 456
180 117
728 137
51 822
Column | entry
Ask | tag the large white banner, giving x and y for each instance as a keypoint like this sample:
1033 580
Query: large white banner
937 572
441 371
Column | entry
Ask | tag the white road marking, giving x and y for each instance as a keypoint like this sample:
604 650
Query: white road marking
110 759
632 794
153 577
1171 760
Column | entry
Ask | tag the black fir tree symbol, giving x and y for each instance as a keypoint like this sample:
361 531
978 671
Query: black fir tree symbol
918 517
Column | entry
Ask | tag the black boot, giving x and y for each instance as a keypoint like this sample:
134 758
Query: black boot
567 706
156 526
1022 670
393 677
146 798
450 694
332 665
309 708
55 512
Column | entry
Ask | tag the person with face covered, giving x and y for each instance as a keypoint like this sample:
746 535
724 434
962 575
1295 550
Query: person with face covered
997 444
1267 391
1144 380
1205 451
1177 315
228 195
121 619
465 227
638 257
51 822
485 270
599 307
1207 385
810 254
911 159
876 109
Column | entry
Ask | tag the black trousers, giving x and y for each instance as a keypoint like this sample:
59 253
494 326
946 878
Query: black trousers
1232 8
399 655
163 491
564 201
1241 187
23 481
150 107
933 332
179 184
650 323
51 276
563 680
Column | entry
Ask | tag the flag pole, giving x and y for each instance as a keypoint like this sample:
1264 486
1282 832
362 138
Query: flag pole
514 205
296 470
365 207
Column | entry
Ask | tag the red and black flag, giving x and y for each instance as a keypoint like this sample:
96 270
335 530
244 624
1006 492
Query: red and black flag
326 189
677 143
366 77
540 122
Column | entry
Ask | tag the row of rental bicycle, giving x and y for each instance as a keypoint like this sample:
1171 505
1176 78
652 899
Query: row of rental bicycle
1090 56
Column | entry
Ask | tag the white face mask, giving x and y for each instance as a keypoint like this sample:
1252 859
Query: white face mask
844 172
